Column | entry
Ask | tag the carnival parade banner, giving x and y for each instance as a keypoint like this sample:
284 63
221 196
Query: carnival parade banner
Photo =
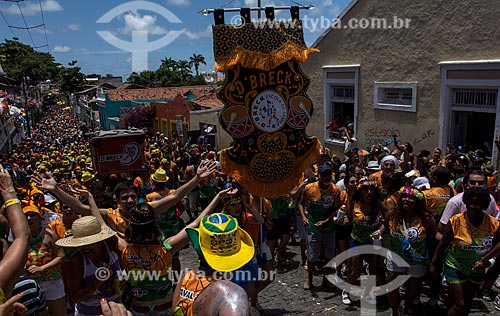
266 107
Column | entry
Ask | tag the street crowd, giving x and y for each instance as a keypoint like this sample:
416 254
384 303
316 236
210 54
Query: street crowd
69 235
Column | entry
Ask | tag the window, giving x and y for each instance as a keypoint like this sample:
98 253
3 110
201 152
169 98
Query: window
485 99
340 101
396 96
342 111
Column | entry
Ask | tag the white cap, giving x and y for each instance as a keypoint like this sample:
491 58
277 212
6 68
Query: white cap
421 182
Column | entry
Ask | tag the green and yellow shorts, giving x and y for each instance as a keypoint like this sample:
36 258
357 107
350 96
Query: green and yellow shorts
454 276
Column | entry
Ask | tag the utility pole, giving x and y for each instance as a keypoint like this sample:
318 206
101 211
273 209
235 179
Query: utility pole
26 105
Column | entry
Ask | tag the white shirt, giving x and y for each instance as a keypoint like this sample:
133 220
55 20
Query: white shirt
455 205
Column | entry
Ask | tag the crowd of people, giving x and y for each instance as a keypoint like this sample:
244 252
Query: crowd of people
68 234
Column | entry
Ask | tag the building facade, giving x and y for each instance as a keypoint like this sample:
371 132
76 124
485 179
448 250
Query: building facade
425 71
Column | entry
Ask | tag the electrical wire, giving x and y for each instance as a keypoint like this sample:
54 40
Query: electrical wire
299 4
44 26
225 4
6 22
26 24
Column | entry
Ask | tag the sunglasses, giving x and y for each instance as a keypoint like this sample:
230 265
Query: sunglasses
126 197
474 182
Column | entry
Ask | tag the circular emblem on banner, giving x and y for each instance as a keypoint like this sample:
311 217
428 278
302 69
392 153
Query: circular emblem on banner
131 152
269 111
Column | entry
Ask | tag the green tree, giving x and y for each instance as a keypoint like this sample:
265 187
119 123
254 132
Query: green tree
72 80
195 61
184 70
168 63
22 60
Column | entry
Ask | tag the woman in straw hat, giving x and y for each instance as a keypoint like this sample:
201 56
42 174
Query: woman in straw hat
94 267
44 259
14 258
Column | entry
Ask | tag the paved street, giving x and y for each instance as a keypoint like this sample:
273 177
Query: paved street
285 295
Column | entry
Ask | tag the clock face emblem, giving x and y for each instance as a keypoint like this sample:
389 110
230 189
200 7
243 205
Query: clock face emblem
269 111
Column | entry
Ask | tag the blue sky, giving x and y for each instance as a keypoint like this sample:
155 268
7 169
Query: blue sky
72 25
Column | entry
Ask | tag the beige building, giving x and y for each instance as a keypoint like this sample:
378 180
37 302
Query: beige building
427 71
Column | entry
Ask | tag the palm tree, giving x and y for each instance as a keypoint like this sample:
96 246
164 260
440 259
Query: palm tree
184 69
195 61
168 63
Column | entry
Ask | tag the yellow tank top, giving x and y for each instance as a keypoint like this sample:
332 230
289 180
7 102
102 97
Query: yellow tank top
193 283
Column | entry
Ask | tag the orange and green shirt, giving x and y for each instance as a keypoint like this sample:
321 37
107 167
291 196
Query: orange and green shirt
193 283
417 237
148 267
436 199
363 225
469 243
117 222
40 253
321 204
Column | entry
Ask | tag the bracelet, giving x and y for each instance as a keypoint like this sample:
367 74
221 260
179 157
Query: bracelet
12 202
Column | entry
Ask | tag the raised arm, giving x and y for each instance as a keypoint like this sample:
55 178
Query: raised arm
116 243
204 170
181 239
47 182
14 260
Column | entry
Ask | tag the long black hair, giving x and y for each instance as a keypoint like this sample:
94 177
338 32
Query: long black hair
143 229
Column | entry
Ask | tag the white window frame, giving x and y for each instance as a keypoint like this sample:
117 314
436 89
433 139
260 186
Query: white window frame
447 86
327 83
378 99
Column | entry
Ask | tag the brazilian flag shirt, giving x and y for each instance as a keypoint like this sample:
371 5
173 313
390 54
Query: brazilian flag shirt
469 243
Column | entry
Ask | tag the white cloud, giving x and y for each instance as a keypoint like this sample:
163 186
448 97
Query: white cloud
207 32
81 50
135 22
74 27
61 49
33 7
180 3
41 30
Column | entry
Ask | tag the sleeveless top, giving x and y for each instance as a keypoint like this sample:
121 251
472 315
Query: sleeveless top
39 254
193 283
148 267
110 289
363 225
469 243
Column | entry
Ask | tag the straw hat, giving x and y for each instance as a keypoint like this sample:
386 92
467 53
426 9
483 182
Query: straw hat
223 244
86 231
87 176
160 175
